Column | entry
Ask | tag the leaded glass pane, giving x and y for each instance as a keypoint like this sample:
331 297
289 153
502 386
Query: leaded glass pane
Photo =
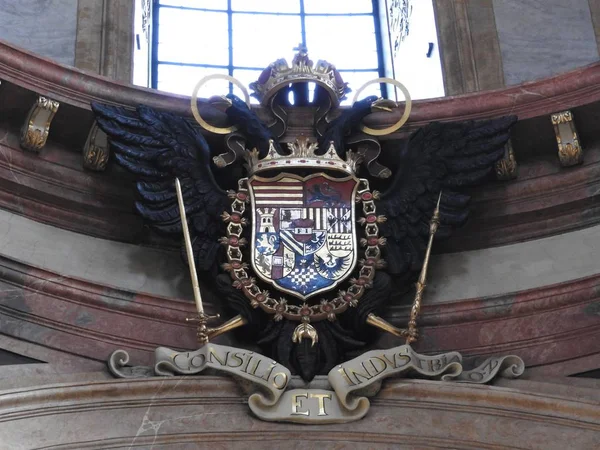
183 79
356 79
206 4
193 37
357 49
258 40
338 6
270 6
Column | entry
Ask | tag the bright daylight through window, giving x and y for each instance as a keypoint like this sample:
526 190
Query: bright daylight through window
194 38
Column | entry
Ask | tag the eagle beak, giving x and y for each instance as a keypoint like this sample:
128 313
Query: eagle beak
220 101
383 104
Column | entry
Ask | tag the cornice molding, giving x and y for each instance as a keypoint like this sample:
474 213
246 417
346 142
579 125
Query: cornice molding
179 411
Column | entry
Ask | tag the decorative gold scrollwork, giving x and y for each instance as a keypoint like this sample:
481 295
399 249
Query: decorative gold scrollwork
37 124
506 168
570 152
96 151
403 119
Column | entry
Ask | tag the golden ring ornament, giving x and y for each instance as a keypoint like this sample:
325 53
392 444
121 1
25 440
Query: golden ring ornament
403 119
194 102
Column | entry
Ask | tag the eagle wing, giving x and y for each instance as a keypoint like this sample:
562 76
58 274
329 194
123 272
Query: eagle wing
438 157
157 147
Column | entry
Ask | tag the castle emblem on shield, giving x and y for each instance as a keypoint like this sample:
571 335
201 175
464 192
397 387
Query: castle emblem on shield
303 236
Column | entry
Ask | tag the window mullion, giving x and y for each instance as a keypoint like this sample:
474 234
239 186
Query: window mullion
379 44
230 25
154 49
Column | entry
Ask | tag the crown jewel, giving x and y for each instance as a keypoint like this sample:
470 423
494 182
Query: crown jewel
279 75
302 156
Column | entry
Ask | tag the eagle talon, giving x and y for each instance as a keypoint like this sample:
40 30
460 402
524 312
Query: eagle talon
305 330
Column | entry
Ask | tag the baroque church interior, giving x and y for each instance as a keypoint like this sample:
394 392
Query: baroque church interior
452 252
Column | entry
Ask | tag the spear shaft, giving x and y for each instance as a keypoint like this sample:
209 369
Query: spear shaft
188 250
420 285
202 319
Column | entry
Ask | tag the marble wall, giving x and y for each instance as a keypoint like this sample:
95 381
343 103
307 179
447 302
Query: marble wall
93 35
453 276
46 27
105 38
540 38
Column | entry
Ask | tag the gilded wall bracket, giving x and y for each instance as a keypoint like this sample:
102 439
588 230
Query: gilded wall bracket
34 132
96 150
506 168
570 152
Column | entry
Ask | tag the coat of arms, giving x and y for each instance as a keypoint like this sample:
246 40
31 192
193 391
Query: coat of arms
304 237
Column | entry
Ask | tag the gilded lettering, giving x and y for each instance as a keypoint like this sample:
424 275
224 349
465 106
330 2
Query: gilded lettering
247 362
281 384
253 370
381 363
198 360
490 366
297 403
391 362
181 364
268 372
343 373
237 358
475 376
366 376
321 398
404 358
212 354
435 365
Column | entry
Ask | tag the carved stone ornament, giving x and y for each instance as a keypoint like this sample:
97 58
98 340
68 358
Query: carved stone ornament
96 151
570 152
506 168
34 132
348 388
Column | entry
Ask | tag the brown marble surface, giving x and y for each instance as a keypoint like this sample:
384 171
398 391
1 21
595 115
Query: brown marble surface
209 412
63 320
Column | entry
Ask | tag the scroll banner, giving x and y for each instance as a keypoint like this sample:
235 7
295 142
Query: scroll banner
352 381
268 377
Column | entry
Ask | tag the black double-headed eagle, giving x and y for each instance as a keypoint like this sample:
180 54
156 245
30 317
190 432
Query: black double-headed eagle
158 146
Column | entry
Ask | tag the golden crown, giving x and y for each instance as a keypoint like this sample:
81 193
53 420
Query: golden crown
279 75
302 156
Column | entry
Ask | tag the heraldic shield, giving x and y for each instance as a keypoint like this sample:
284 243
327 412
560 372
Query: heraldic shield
303 235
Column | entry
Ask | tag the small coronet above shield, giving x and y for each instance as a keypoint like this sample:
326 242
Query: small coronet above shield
303 231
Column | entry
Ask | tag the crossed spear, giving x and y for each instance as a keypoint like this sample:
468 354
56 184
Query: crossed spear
202 319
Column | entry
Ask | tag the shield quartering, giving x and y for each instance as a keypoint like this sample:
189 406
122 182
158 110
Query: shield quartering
303 235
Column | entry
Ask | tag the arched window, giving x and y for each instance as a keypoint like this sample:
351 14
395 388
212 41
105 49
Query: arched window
194 38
